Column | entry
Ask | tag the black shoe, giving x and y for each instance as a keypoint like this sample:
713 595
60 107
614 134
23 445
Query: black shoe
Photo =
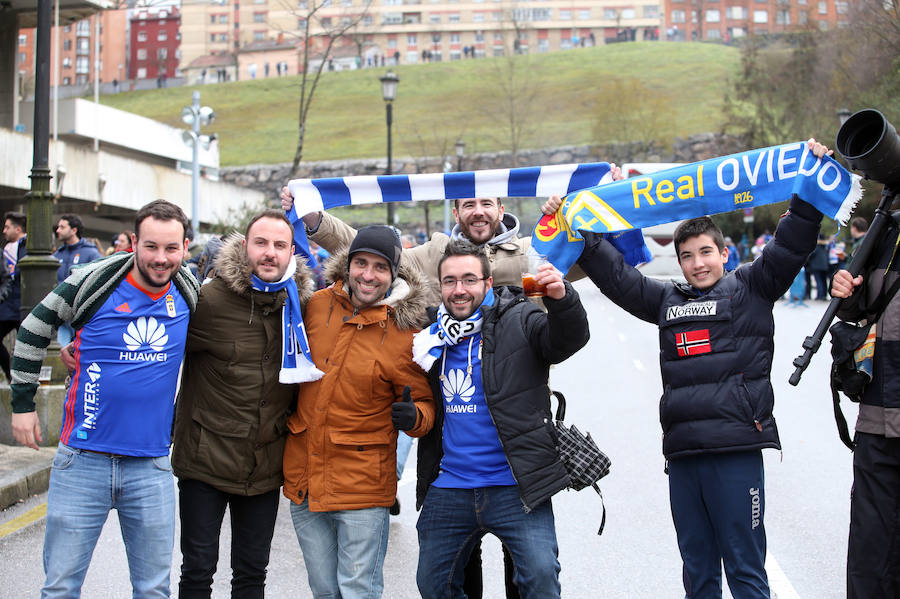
395 509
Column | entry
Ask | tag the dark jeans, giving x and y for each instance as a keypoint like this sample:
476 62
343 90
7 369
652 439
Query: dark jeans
202 509
873 555
5 327
474 581
454 520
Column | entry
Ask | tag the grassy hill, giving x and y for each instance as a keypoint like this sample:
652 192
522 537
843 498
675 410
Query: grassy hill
682 84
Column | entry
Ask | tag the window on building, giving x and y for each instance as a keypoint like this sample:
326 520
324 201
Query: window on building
259 17
162 36
565 43
67 81
454 38
83 46
162 53
841 7
412 57
82 65
259 36
223 19
496 15
223 37
325 21
608 13
453 17
23 40
391 18
541 14
259 1
434 18
142 36
411 39
67 45
478 17
713 16
142 54
627 13
823 8
479 36
783 17
678 16
67 29
543 45
346 3
650 11
565 14
301 24
760 16
455 55
212 37
498 36
83 27
736 12
802 17
23 57
392 42
367 19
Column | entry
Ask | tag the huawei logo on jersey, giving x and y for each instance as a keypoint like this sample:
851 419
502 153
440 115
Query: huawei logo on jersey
457 385
144 332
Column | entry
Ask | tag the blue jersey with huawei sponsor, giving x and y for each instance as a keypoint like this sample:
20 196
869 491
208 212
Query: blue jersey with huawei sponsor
122 395
473 457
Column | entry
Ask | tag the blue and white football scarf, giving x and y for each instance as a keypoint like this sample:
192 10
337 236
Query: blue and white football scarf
315 195
428 344
296 363
744 180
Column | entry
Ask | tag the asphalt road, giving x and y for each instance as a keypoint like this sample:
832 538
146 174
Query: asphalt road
612 388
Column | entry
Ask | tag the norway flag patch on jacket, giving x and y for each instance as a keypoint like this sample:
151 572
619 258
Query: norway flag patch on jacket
691 343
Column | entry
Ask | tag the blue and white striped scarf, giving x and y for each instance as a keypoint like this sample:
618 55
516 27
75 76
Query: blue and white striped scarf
296 363
315 195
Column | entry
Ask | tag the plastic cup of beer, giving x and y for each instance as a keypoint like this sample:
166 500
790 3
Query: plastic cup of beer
530 287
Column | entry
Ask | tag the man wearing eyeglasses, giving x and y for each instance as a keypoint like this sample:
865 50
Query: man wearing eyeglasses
490 463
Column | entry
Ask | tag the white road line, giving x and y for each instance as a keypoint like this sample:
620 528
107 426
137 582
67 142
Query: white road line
779 584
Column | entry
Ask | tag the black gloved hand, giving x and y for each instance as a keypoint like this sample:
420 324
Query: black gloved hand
404 413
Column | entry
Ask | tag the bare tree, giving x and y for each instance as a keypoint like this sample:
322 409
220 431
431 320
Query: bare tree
515 79
318 32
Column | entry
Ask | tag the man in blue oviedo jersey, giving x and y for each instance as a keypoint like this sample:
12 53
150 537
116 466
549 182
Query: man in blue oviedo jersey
490 463
130 314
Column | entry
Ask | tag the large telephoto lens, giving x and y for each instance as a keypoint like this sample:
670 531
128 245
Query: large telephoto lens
869 143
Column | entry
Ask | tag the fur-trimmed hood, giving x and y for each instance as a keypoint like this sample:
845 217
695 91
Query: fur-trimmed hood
233 267
408 296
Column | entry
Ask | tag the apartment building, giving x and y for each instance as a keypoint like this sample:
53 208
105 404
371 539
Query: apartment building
410 31
155 42
78 43
730 19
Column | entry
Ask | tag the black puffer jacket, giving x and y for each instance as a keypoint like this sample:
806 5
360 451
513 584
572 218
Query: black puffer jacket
716 348
879 412
520 342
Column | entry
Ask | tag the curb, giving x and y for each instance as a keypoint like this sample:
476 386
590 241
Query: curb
23 472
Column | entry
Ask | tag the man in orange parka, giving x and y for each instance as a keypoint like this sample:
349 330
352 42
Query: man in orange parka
340 457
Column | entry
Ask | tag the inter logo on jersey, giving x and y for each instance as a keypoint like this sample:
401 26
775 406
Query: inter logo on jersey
692 343
144 332
91 400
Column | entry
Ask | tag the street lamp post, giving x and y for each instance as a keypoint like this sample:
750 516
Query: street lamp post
196 116
389 83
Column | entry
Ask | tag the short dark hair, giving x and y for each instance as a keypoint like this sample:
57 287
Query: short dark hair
456 201
270 213
698 226
161 210
75 222
860 224
463 247
17 218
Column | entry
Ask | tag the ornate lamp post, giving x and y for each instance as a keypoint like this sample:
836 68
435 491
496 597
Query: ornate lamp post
389 83
196 116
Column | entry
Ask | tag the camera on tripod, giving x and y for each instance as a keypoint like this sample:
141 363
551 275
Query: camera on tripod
870 144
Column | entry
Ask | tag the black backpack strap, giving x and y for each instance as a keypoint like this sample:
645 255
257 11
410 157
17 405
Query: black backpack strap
603 506
843 431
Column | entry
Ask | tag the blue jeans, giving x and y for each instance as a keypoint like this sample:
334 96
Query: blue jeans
84 487
404 444
343 550
452 522
718 507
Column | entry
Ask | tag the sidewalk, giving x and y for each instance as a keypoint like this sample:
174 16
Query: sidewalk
23 472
